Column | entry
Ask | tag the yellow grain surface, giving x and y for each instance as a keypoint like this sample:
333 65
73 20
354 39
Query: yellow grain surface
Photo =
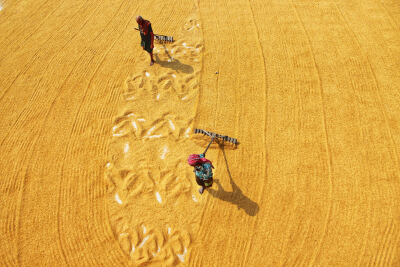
94 141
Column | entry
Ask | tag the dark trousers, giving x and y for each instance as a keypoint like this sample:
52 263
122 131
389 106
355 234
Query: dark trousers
201 182
146 41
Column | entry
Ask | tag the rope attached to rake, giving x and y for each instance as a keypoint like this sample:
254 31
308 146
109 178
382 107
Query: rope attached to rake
216 136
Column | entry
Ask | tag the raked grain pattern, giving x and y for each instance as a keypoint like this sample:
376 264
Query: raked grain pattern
94 142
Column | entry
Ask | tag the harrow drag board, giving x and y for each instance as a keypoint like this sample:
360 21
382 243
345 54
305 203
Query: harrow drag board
162 38
212 134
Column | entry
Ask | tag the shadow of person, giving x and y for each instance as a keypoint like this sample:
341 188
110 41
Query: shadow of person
236 196
174 64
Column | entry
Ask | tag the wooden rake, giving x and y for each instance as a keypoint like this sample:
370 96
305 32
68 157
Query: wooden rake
214 136
162 38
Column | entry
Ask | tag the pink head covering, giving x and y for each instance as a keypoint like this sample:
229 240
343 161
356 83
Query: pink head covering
195 159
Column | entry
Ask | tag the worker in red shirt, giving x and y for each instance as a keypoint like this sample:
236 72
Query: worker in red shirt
146 33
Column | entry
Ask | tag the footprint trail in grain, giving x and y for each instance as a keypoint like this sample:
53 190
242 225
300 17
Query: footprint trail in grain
152 200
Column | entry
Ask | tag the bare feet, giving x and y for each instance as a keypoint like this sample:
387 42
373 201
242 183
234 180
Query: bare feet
201 190
151 63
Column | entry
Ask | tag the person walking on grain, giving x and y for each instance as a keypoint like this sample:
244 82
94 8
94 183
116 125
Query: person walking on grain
202 170
146 33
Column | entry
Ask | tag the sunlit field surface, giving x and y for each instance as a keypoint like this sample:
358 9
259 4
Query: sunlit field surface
94 141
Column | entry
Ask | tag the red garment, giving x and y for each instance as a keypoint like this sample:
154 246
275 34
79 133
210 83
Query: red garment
145 28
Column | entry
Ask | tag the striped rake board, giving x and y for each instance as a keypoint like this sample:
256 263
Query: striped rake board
164 38
212 134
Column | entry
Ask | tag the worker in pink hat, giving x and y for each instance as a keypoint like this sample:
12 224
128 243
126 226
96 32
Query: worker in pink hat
202 169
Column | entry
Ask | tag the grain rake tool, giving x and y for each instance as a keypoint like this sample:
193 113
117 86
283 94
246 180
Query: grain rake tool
215 136
162 38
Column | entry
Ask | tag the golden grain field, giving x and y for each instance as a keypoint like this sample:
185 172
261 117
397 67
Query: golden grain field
94 141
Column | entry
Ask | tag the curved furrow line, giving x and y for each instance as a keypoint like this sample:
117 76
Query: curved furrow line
35 93
203 230
13 217
108 23
53 102
264 144
377 91
327 146
25 70
217 83
366 234
75 128
5 184
369 207
384 114
202 217
201 71
391 245
45 19
34 57
395 248
394 22
59 240
59 208
40 132
58 214
379 103
23 26
17 120
33 97
96 70
32 33
365 238
20 203
76 125
10 87
63 85
387 244
12 83
237 111
222 41
47 113
34 146
379 257
302 260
